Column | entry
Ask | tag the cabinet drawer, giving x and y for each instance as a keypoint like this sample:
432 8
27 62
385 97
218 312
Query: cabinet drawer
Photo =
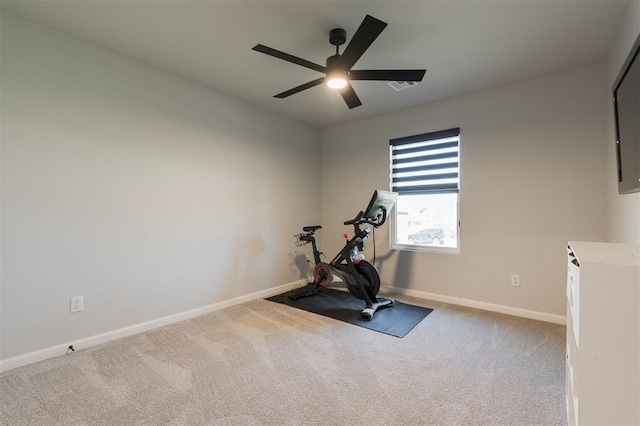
573 284
572 402
572 366
573 269
573 292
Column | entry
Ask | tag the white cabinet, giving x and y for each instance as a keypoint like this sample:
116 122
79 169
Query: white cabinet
603 334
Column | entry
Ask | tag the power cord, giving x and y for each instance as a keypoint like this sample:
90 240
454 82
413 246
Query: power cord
374 246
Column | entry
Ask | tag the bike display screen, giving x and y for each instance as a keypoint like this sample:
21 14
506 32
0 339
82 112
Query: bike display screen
381 200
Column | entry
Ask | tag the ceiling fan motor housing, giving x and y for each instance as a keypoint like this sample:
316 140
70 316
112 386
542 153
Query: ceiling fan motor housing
333 63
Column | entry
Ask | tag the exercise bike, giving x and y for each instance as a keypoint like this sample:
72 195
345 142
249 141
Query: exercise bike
361 277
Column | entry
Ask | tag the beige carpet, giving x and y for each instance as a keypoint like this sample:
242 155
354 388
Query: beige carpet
262 363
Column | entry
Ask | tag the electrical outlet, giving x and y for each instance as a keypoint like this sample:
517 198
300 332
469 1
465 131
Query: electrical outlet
77 303
515 280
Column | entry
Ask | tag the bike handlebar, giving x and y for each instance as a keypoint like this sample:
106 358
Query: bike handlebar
355 220
358 220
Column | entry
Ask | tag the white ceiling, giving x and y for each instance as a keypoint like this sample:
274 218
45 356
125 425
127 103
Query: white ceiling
466 46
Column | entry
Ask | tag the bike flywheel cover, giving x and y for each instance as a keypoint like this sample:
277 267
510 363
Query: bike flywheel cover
322 274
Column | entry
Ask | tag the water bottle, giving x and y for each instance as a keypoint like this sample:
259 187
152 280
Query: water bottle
356 256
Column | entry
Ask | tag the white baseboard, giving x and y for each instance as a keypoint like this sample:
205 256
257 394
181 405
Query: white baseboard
61 349
541 316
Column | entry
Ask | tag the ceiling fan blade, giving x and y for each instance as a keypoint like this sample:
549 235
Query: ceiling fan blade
387 75
350 97
367 32
300 88
289 58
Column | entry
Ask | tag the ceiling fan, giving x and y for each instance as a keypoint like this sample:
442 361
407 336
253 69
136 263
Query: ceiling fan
338 70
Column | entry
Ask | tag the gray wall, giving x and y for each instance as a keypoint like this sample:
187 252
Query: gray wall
531 179
145 193
623 211
151 195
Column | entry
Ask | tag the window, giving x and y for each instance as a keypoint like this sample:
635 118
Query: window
425 174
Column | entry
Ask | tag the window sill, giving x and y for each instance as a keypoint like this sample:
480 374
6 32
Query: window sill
426 249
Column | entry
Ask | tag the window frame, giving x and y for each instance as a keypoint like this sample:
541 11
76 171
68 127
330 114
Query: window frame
431 136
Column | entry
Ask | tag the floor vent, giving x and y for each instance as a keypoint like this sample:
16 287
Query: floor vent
401 85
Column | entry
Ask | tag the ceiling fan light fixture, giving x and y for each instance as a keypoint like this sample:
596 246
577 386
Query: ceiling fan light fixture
337 76
336 81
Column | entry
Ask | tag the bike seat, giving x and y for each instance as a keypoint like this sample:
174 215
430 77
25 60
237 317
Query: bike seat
311 228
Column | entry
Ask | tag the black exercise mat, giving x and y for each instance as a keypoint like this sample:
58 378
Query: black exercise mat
397 320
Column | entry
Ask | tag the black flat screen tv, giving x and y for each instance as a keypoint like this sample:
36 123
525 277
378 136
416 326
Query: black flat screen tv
626 104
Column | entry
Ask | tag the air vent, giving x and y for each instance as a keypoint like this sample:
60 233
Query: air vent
401 85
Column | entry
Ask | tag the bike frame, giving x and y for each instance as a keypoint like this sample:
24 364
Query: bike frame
342 264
